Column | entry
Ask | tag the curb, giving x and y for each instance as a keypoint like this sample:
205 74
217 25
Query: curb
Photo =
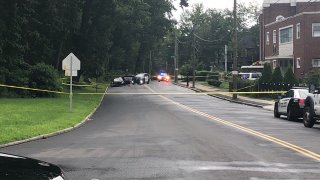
45 136
220 97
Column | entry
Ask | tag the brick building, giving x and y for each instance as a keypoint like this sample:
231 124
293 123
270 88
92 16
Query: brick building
290 35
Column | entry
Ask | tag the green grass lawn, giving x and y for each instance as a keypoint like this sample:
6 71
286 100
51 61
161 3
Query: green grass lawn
23 118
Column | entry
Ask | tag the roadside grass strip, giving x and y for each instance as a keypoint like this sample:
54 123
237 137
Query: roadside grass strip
23 118
298 149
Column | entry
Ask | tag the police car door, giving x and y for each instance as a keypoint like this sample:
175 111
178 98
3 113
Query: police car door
284 102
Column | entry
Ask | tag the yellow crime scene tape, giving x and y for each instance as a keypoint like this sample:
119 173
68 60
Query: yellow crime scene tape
151 93
32 89
78 85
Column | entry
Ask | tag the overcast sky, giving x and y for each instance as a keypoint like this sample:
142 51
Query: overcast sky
218 4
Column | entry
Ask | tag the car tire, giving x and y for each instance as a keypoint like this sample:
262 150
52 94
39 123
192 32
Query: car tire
291 115
308 117
276 111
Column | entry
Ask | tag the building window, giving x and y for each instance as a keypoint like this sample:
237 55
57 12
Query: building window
316 29
315 62
298 30
298 63
268 38
274 37
274 64
286 35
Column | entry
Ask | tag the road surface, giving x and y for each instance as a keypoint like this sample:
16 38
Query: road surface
180 136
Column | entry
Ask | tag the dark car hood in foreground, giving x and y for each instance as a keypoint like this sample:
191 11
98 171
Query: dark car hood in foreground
16 167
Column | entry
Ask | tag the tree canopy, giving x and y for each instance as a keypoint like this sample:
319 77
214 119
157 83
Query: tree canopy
105 35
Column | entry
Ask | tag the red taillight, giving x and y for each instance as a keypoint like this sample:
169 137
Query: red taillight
301 101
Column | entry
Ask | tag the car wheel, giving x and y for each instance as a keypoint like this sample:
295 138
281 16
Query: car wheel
291 116
276 111
308 117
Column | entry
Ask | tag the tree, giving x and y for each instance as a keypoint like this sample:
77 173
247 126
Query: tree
289 77
186 70
266 74
277 76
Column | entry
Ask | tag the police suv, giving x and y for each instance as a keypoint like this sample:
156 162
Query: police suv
312 109
291 104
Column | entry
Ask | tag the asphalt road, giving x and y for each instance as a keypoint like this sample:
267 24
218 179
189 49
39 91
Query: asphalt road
180 137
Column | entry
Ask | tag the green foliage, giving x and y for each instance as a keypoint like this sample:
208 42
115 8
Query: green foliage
277 76
313 78
214 82
216 25
244 85
43 76
202 75
289 77
186 70
266 74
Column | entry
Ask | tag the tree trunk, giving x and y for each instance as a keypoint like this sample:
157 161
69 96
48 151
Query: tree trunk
59 55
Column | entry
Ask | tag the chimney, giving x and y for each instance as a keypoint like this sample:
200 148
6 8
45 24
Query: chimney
293 4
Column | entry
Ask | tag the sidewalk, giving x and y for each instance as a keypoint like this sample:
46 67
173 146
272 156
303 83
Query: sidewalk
265 104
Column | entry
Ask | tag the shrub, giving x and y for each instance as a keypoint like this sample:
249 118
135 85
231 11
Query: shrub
277 76
244 85
266 73
314 78
214 82
201 75
289 77
42 76
186 70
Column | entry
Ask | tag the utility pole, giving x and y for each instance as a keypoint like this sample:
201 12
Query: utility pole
235 51
176 56
226 58
193 59
150 63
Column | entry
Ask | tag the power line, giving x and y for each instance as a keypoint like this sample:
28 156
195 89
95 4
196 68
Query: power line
204 39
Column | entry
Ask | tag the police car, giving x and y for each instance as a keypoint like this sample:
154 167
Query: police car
291 104
163 77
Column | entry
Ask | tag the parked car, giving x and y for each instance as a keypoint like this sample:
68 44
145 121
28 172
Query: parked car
291 104
142 78
16 167
250 76
163 77
117 82
128 79
312 109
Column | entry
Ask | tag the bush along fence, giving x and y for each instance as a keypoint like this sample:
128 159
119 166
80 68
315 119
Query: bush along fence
256 86
211 77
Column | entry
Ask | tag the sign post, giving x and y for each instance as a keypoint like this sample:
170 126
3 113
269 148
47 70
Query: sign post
71 65
70 83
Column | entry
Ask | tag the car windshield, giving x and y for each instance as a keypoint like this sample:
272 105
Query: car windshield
303 93
127 77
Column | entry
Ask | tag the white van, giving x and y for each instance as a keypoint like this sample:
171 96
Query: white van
250 76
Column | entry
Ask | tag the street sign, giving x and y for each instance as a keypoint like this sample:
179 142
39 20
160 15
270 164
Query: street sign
71 65
66 63
68 73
